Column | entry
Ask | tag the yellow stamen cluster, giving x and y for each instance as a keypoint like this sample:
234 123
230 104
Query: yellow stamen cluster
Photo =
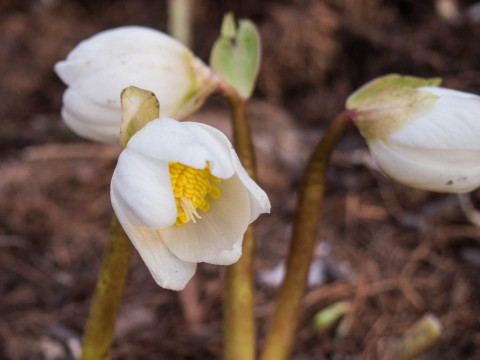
190 189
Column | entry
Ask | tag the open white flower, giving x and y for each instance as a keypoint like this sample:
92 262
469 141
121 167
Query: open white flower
425 137
183 197
98 68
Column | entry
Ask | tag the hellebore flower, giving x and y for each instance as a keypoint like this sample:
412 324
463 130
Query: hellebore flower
421 135
183 197
98 68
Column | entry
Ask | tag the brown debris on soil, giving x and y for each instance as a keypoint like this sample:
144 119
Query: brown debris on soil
395 254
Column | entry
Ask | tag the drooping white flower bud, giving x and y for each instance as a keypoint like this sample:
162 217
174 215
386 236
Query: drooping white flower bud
98 68
183 197
421 135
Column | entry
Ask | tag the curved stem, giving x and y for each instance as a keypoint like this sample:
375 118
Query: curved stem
108 294
286 315
238 297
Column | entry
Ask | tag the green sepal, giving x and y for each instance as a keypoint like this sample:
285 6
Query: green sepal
372 88
389 109
235 55
139 107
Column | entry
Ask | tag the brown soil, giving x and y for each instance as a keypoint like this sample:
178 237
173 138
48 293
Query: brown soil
393 252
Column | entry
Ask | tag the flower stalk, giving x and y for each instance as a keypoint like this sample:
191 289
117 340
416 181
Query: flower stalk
238 315
282 327
242 138
100 325
180 13
138 107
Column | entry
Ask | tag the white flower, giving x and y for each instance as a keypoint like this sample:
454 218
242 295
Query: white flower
429 140
183 197
98 68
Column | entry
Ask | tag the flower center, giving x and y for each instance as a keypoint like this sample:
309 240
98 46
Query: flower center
190 189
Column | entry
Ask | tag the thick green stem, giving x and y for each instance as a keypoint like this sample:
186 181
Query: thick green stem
282 328
242 138
238 305
108 294
238 301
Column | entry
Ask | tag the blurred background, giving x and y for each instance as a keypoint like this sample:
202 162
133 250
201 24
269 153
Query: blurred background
395 254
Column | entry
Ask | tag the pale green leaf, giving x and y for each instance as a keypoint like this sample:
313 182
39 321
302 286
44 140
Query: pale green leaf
236 55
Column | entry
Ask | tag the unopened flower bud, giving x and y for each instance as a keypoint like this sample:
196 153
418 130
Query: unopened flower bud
98 68
421 135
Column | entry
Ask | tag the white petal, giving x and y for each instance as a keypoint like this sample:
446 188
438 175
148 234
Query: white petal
89 119
183 142
452 123
115 45
228 257
168 271
144 186
95 99
259 202
429 169
219 229
169 83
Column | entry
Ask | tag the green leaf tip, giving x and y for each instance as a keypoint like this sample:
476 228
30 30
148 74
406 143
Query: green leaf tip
236 55
372 88
229 29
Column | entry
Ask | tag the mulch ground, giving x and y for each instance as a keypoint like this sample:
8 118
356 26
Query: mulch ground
394 253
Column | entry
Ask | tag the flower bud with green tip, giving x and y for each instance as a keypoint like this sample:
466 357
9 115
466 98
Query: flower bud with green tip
98 68
421 135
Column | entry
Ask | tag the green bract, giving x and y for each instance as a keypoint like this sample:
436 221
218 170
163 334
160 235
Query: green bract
139 107
390 109
384 105
236 55
370 89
